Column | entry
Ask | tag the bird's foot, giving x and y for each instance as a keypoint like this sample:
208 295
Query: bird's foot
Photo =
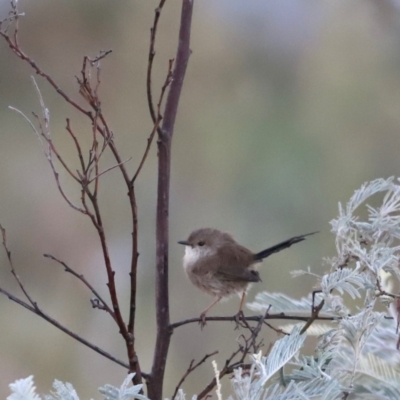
202 321
238 317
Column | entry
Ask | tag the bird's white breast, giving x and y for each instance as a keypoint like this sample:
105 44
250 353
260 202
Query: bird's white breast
194 254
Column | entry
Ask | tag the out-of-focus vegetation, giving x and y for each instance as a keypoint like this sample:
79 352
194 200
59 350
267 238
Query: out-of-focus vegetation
287 108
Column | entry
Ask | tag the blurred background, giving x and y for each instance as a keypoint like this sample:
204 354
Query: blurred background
287 108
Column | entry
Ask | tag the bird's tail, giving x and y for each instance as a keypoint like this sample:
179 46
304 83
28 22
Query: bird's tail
280 246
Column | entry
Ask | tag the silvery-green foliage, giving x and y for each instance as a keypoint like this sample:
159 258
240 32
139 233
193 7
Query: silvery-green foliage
250 386
281 353
124 392
24 389
62 391
259 384
355 356
279 302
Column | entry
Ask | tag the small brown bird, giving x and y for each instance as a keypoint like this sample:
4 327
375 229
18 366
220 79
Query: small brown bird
221 267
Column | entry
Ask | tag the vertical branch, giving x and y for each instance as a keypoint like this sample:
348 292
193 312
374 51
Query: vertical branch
152 54
155 385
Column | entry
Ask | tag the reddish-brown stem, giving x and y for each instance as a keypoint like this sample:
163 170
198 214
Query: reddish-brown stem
109 269
77 145
103 129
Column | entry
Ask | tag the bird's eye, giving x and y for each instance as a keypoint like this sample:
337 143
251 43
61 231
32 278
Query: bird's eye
201 243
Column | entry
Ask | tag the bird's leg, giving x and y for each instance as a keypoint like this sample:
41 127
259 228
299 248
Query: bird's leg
240 312
203 314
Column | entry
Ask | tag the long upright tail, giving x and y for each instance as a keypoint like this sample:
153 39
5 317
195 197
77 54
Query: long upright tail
280 246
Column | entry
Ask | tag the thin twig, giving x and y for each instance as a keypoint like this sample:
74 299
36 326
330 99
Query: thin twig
100 56
110 272
14 46
77 145
36 310
46 135
43 135
158 119
84 280
152 53
33 306
13 271
249 344
314 316
190 369
278 331
108 169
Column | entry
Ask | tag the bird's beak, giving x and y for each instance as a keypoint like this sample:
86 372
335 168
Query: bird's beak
184 242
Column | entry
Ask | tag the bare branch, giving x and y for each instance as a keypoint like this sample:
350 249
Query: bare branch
84 280
256 318
8 252
164 166
314 316
48 152
190 369
158 119
250 344
100 56
77 145
14 46
33 306
36 310
108 169
152 53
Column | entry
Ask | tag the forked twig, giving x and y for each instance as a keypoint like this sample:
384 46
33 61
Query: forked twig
250 344
14 46
190 369
84 280
33 307
108 169
158 119
36 310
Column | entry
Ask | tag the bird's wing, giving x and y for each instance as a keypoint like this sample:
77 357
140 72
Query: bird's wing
237 273
235 268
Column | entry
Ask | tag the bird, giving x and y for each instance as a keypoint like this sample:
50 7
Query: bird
218 265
